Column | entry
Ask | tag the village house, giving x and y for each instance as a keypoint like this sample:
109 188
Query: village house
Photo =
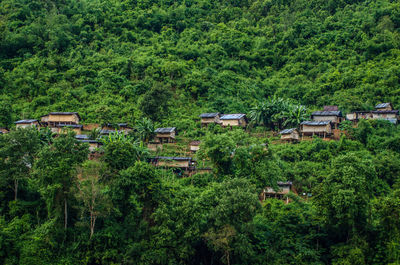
55 118
165 135
207 118
26 123
230 120
290 135
93 144
194 146
334 116
118 126
63 127
184 165
3 130
320 128
355 116
384 107
283 190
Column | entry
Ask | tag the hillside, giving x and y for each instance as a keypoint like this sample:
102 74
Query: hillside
210 190
120 60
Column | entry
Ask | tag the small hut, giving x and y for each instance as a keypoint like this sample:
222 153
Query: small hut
229 120
194 146
118 126
3 130
355 116
26 123
291 135
185 165
384 107
386 114
334 116
207 118
283 189
320 128
74 127
165 135
55 118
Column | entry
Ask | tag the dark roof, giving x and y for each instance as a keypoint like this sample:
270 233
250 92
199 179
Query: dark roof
82 137
385 111
195 143
315 123
165 130
89 141
177 158
70 125
331 108
209 115
25 121
383 105
232 116
103 131
119 124
281 183
287 131
64 113
327 113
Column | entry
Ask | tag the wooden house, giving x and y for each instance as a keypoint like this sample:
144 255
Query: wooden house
3 130
355 116
183 165
93 144
384 107
291 135
26 123
118 126
165 135
74 127
207 118
320 128
333 116
283 189
55 118
229 120
194 146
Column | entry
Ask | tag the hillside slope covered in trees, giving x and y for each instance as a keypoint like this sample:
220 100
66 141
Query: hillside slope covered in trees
119 60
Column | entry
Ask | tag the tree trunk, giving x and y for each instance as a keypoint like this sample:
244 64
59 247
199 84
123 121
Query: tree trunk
65 213
15 189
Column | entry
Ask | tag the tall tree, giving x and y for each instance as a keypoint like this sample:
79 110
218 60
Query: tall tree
55 172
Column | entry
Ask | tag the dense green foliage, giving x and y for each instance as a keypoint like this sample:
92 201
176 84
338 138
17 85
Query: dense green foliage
152 62
121 209
119 60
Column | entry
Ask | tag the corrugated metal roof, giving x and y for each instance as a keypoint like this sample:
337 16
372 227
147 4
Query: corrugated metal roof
82 137
109 131
177 158
383 105
287 131
64 113
195 143
315 123
385 112
89 141
235 116
209 115
281 183
70 125
165 130
327 113
25 121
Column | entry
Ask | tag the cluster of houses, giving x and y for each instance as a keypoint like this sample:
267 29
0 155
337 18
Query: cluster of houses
325 123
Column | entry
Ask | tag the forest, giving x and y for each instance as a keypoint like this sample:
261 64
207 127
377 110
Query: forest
153 63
